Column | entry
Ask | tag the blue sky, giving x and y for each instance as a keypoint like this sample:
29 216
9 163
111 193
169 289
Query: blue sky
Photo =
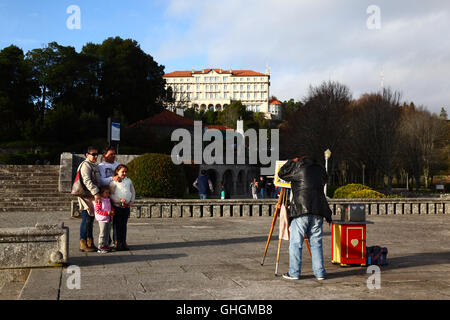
302 42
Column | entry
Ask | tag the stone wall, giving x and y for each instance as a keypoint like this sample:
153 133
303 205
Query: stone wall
182 208
69 163
40 246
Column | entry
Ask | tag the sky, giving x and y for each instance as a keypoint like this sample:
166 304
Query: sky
404 45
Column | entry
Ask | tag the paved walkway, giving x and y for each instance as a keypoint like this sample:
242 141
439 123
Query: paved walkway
219 258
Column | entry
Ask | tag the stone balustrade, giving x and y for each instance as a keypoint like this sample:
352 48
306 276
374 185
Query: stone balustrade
183 208
40 246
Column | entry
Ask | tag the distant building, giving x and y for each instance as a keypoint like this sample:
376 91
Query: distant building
275 108
214 89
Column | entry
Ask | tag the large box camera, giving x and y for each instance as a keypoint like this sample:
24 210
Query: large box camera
354 212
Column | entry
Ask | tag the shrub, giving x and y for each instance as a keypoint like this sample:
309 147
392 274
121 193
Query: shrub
344 191
366 194
156 176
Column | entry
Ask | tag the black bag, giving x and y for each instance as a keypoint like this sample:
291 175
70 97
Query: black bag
376 255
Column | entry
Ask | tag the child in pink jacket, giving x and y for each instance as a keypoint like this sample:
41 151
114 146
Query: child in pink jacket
103 214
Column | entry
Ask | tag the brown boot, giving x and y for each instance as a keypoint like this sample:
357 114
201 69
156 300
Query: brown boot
84 247
90 244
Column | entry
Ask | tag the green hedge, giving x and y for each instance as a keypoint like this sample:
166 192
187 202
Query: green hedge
366 194
345 191
156 176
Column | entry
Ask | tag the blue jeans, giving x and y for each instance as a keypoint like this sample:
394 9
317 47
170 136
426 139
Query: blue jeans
203 196
311 226
120 221
87 225
262 192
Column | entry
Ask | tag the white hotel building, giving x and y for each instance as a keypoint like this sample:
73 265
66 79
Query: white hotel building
214 89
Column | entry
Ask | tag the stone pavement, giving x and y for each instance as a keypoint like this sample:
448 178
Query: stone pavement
219 258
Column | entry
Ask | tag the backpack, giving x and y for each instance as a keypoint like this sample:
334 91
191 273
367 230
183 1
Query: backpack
376 255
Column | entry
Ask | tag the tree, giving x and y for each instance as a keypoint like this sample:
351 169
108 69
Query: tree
374 130
443 113
231 113
421 133
130 81
288 108
17 90
320 124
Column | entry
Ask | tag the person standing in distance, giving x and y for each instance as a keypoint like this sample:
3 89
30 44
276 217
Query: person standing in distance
203 184
308 208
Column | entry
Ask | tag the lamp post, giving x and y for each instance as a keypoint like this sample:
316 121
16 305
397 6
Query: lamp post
327 154
363 167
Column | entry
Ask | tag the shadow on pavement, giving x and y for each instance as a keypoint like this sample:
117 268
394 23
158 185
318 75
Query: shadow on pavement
112 258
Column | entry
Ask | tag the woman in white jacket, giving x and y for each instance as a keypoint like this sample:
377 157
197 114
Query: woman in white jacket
122 197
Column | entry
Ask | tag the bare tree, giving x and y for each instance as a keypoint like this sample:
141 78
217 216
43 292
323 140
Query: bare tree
420 133
320 124
374 131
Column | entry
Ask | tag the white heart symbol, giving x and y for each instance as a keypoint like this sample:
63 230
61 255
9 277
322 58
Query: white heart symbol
354 242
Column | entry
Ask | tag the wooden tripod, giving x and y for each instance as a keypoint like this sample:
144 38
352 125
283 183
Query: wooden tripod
282 199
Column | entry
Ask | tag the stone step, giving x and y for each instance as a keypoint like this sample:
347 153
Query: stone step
38 197
42 209
26 189
51 193
34 168
31 182
51 204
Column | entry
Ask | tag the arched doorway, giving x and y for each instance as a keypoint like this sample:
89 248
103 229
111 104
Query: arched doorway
241 183
227 181
212 174
218 107
211 107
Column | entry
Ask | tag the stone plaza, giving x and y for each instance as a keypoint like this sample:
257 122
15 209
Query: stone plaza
216 258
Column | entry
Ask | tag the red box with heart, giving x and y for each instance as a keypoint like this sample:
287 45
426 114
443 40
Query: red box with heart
348 243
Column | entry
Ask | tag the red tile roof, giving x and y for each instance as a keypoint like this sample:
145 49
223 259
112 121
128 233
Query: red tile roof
165 118
217 126
241 73
274 101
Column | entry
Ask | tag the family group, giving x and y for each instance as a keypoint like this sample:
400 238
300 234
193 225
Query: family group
109 196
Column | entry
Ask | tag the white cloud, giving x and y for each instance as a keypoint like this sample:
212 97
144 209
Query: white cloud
306 42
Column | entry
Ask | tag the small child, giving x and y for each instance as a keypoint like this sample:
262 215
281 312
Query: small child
122 197
103 214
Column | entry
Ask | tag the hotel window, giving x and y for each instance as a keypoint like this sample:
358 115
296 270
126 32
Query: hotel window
262 87
248 96
254 96
262 95
234 87
188 87
235 96
248 87
254 87
198 96
216 87
181 88
217 95
217 79
242 87
241 95
189 96
248 79
198 87
225 87
241 79
225 79
197 79
225 95
206 79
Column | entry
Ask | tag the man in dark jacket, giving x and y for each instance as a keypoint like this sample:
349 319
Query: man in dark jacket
204 185
308 208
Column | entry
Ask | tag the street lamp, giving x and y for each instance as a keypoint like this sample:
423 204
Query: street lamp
363 167
327 154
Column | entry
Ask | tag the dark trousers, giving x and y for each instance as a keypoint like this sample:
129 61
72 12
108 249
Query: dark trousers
120 221
87 225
